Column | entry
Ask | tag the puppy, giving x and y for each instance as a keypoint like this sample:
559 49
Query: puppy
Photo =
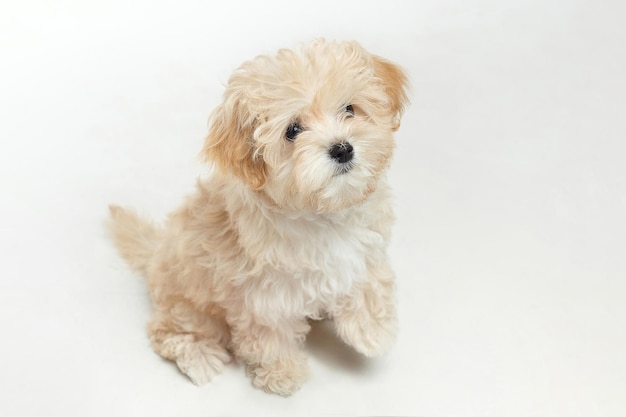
293 224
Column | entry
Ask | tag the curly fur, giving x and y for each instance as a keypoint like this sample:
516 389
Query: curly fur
278 235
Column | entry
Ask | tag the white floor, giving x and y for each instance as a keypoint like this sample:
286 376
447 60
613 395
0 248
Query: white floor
510 184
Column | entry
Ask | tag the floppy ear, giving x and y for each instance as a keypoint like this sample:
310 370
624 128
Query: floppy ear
230 142
396 85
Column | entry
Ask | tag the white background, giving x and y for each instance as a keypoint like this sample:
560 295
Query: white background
509 179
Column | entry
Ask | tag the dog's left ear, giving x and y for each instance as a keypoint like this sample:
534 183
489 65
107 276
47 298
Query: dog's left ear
230 142
396 85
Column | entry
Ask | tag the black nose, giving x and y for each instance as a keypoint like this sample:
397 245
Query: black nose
342 152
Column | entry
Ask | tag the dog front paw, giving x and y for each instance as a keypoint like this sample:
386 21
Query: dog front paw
367 335
283 377
202 361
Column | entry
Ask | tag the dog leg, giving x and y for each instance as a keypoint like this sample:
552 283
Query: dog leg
274 354
198 350
366 319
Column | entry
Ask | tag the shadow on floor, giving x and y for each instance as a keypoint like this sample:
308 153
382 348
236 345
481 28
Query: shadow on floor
324 345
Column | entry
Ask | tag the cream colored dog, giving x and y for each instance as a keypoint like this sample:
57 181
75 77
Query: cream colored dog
292 226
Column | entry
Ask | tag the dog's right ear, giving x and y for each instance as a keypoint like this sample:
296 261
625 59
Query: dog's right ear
230 142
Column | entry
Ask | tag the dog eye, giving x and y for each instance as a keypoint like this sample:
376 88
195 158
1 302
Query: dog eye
349 109
293 130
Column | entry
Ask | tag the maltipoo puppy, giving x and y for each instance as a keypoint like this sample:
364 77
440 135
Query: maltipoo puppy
293 225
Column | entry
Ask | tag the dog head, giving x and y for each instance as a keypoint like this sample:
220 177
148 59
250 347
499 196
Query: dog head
312 129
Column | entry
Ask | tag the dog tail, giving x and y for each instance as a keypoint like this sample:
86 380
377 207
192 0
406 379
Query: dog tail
136 238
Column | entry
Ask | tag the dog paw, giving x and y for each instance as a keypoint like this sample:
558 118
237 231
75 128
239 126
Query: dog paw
283 377
367 335
201 361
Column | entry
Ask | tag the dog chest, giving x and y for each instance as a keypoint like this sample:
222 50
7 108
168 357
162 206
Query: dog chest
323 255
308 274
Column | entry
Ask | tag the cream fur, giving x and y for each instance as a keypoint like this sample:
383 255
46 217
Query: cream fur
279 234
